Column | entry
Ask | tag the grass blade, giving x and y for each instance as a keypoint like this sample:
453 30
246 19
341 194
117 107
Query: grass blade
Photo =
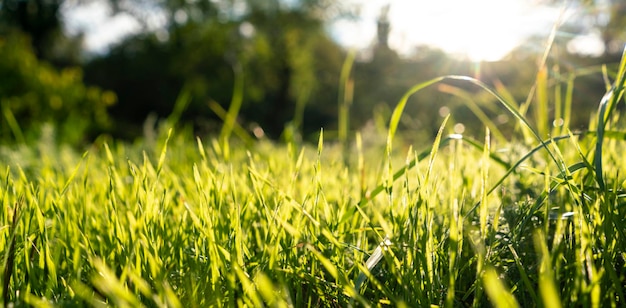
163 152
9 258
605 109
547 286
497 292
346 86
371 262
12 122
235 103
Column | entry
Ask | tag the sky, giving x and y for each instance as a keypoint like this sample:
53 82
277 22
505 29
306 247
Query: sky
100 29
481 30
486 29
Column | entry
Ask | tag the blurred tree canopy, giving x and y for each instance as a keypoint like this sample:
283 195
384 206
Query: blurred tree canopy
282 52
33 92
276 55
40 80
607 17
41 21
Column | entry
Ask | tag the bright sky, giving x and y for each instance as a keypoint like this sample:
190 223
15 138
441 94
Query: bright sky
477 29
101 30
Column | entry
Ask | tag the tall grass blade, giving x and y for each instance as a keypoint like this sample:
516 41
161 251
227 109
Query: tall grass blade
557 123
105 281
483 186
326 263
541 70
237 128
346 88
72 176
372 261
541 106
435 149
9 257
163 153
235 103
182 102
498 294
547 286
569 95
12 122
523 273
399 109
605 109
467 97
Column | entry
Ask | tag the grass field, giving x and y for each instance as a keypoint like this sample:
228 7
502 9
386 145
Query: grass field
196 222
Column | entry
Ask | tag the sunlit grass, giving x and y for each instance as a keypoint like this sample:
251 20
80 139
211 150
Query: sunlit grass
183 221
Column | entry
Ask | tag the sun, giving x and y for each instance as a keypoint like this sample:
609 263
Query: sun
480 30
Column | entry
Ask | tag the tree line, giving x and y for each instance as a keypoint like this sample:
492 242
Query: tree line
275 57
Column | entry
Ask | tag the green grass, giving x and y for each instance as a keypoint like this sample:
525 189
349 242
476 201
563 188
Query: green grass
183 221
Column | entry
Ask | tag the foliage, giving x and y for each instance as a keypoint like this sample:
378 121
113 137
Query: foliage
283 57
289 65
605 17
32 93
41 21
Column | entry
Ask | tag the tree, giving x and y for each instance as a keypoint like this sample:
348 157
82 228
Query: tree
41 21
606 17
33 92
614 33
281 50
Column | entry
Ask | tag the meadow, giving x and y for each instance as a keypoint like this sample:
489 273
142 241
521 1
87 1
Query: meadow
176 220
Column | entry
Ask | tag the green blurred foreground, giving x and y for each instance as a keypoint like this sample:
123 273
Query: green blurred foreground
177 222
